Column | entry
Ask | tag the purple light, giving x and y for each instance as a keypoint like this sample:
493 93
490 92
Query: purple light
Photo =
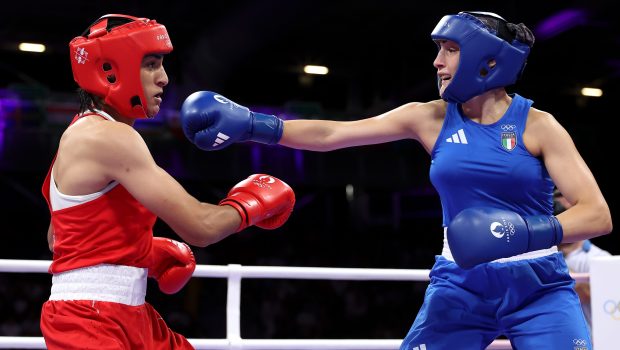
175 167
277 111
9 103
561 22
256 158
299 163
2 126
267 109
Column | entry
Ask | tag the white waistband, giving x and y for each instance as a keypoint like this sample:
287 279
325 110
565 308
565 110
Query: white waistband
446 253
113 283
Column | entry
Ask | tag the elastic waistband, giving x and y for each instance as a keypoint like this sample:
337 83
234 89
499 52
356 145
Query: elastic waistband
446 253
112 283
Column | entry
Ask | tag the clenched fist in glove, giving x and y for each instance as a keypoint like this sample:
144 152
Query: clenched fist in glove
481 234
261 200
172 264
212 122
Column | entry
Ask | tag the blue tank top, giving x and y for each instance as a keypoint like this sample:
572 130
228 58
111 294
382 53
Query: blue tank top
488 165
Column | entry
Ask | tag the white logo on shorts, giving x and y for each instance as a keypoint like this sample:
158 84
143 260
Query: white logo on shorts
580 344
420 347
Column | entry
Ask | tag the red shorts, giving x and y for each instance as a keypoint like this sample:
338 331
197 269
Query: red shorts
100 325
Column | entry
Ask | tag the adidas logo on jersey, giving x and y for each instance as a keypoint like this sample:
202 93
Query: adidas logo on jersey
421 347
220 139
458 137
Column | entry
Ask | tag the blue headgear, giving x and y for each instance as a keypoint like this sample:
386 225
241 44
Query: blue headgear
478 45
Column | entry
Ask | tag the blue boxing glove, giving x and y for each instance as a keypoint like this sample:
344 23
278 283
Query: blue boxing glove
212 122
478 235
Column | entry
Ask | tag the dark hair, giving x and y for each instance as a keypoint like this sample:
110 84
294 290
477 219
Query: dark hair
88 101
505 30
111 23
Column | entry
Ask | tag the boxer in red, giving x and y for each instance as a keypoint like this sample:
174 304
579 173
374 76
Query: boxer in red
104 192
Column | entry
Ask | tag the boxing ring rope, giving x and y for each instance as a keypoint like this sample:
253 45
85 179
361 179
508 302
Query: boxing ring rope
234 273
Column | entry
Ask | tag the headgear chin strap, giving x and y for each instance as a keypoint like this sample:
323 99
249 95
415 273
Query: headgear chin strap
106 60
478 46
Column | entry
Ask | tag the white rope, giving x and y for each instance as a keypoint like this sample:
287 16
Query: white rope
279 272
234 273
22 343
24 266
338 344
334 273
261 344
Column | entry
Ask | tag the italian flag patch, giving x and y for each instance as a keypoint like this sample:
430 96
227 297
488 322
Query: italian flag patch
509 140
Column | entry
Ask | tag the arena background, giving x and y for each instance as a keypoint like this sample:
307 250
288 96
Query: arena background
380 56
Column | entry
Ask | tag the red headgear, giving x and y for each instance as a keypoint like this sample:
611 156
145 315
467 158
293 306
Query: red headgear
106 61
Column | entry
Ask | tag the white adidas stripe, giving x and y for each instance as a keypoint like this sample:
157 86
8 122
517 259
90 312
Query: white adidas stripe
220 139
458 137
462 136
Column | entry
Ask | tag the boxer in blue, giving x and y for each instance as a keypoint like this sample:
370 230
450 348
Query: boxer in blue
494 163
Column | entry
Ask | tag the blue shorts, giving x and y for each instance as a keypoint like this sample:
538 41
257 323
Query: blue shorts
532 302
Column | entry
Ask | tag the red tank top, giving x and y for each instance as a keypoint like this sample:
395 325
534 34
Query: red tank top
111 229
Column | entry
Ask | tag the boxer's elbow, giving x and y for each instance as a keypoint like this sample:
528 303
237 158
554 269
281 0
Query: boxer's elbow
602 222
606 223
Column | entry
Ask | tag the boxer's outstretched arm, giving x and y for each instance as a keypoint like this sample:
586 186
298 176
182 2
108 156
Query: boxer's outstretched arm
212 122
414 120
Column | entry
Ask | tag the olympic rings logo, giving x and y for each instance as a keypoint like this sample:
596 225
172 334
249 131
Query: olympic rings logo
508 127
581 342
612 308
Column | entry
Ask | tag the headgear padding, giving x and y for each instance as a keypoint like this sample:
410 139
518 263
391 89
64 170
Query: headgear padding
106 61
480 43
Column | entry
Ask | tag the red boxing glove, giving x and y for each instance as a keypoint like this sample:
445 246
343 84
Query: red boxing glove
172 264
261 200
